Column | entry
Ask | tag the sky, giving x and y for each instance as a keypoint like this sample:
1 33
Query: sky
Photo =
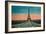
20 12
25 10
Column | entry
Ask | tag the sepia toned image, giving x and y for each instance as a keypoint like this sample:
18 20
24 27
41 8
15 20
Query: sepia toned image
24 16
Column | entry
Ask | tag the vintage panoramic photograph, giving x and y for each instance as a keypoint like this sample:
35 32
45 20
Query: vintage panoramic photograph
25 16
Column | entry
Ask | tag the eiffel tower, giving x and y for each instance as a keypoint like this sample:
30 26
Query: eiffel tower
28 18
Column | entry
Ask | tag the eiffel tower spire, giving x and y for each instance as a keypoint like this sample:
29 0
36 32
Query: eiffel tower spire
28 18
